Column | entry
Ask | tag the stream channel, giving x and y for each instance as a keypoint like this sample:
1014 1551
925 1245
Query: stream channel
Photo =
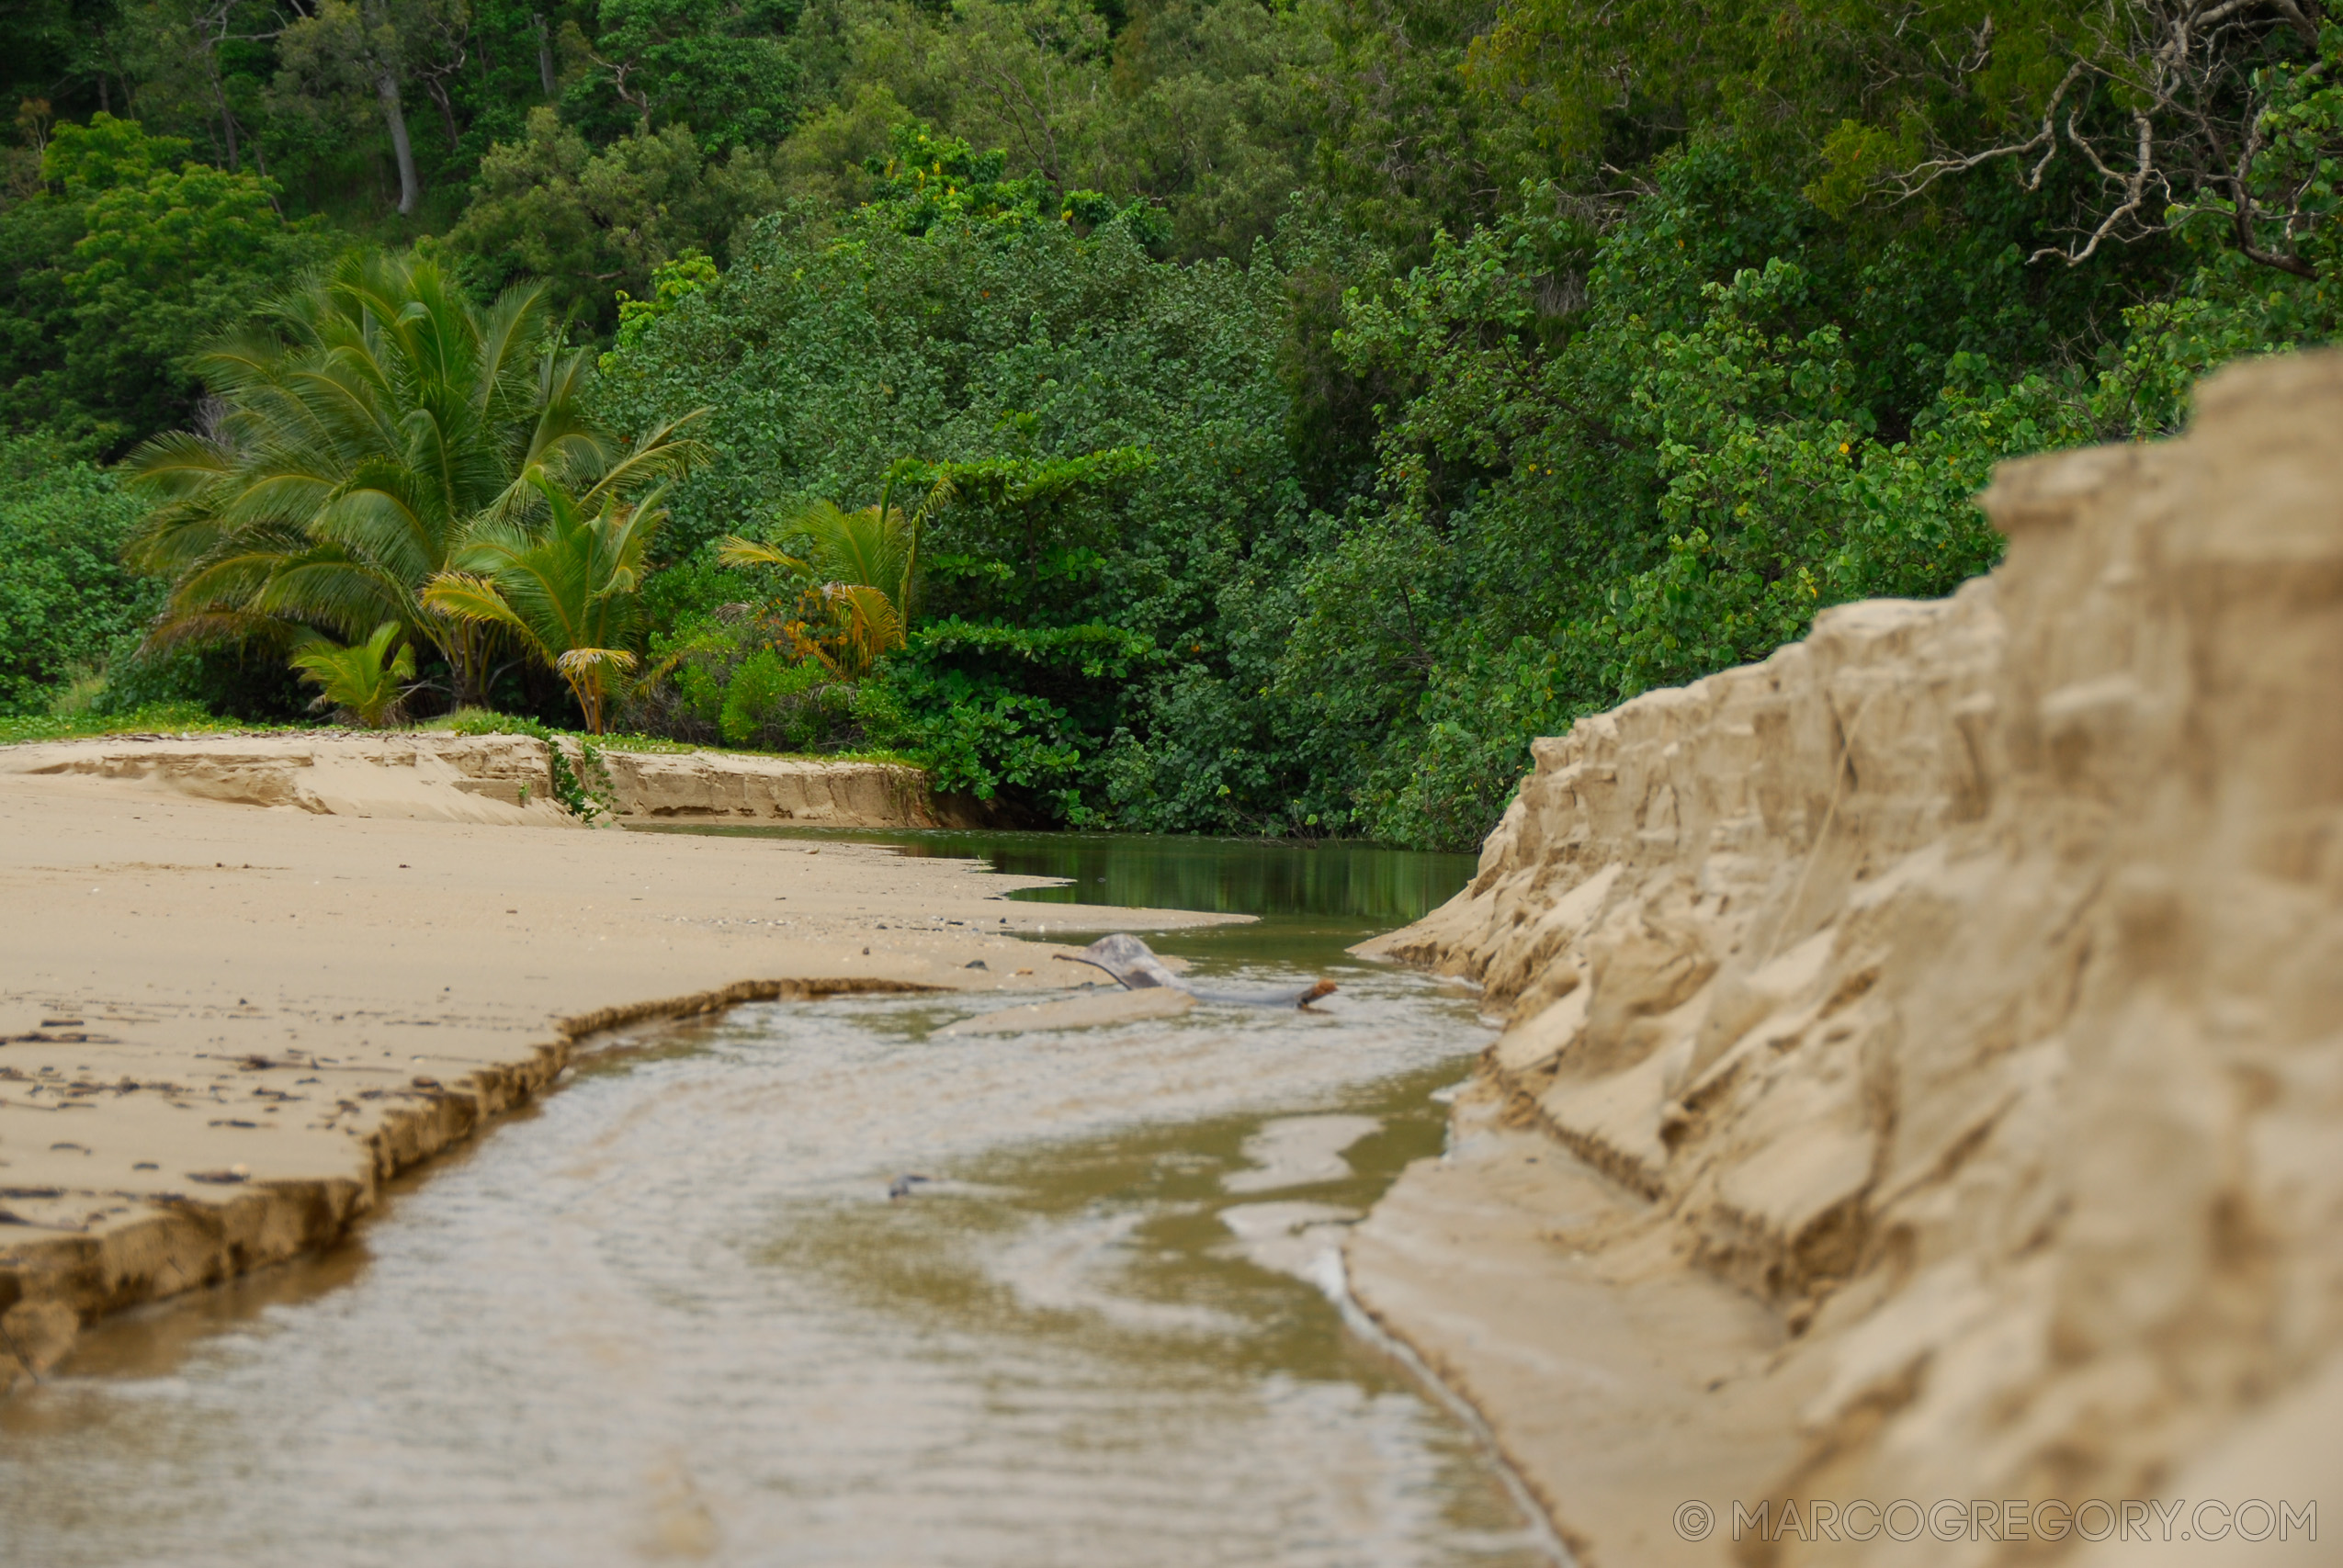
670 1313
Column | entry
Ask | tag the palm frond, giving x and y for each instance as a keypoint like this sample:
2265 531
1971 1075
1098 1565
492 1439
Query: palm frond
236 360
361 679
733 550
175 540
576 661
328 588
230 580
462 596
505 333
872 548
176 464
205 628
257 495
385 528
663 452
874 626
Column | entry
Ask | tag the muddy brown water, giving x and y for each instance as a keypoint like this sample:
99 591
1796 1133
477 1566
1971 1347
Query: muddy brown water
672 1315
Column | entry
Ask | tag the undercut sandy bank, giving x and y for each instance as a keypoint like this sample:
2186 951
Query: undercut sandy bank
222 1028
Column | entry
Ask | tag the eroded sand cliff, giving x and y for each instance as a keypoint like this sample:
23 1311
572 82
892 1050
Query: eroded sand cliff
1924 1069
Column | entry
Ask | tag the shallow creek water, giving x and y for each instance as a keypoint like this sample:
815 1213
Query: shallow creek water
670 1313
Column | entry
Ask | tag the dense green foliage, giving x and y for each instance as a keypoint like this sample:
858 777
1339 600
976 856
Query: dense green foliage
66 601
113 272
1112 425
1201 415
1710 456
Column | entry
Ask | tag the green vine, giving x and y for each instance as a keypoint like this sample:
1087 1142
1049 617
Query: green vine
585 792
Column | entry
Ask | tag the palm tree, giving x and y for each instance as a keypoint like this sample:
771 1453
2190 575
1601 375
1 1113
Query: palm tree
566 590
362 680
370 427
866 563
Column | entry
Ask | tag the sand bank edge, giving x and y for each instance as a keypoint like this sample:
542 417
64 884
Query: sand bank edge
51 1290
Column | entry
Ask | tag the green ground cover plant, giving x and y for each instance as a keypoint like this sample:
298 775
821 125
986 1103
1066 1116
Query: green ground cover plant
155 719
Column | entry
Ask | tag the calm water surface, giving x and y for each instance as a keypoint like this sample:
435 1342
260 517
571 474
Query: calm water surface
672 1315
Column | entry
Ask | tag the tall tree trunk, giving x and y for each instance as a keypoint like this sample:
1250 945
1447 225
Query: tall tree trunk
386 86
227 115
545 56
438 90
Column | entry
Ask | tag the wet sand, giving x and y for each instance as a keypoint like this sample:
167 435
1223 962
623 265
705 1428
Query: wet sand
223 1026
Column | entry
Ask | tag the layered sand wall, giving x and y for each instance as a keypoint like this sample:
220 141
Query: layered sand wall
1923 1075
499 779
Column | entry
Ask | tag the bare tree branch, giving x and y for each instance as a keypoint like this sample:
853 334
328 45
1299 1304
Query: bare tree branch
2162 102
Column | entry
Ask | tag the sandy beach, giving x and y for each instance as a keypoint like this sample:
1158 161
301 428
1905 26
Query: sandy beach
225 1025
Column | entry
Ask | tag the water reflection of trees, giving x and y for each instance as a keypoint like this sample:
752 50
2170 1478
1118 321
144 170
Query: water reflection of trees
1380 886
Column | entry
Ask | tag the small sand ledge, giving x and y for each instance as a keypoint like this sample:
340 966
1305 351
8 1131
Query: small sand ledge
168 1242
223 1028
497 779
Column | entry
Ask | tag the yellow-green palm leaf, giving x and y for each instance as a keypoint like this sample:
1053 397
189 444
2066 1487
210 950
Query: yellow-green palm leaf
866 563
566 588
364 679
